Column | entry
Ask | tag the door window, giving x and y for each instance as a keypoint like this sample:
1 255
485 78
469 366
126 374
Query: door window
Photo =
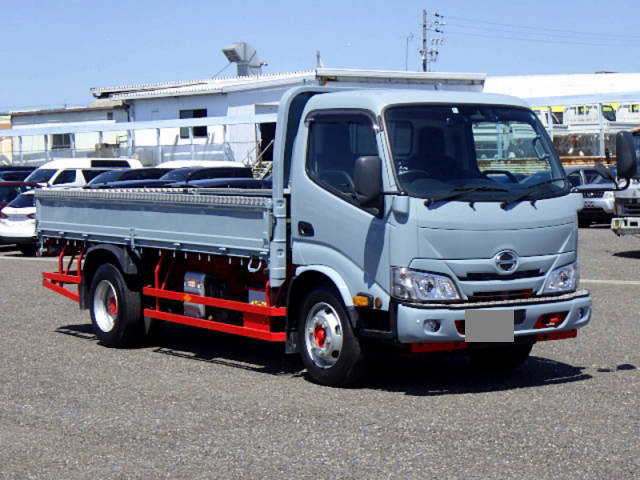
335 142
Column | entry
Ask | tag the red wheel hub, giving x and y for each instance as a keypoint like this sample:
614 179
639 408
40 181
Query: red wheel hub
320 335
113 306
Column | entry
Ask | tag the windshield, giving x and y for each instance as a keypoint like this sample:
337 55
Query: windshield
178 174
105 177
475 152
41 175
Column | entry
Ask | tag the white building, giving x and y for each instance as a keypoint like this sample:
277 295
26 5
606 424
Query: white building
41 145
232 118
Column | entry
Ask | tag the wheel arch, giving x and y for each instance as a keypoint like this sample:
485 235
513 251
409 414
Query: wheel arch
304 281
101 254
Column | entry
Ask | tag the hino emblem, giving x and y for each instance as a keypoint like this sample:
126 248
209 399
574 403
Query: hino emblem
506 261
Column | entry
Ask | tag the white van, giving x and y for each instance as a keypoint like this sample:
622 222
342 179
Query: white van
76 172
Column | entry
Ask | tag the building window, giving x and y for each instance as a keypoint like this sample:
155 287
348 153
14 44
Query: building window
60 141
197 131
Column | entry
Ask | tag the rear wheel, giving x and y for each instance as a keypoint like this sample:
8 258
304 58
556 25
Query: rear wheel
501 358
116 311
330 351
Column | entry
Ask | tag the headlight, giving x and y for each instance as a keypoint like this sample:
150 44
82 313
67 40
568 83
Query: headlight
413 285
608 194
563 279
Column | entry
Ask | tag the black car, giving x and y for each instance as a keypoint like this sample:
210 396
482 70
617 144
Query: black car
254 183
180 176
108 179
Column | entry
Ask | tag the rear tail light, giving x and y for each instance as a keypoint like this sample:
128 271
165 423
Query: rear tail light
31 215
3 215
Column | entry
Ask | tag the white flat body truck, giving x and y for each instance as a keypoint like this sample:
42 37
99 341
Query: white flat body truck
627 201
384 224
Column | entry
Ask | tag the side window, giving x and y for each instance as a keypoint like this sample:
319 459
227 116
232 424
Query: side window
336 140
574 179
66 176
591 176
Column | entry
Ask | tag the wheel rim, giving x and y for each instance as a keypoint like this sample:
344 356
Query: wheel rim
323 335
105 306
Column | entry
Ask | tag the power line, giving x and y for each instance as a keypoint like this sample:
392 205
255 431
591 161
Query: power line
542 39
563 32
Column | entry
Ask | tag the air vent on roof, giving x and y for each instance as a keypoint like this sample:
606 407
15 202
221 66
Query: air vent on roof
245 57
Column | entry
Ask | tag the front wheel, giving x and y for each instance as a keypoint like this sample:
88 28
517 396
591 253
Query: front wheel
330 351
116 311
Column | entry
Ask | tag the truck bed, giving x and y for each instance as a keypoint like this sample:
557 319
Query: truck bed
208 221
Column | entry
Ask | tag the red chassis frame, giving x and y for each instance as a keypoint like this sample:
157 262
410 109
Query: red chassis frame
257 318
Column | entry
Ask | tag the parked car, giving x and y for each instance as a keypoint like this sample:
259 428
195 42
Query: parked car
15 174
18 224
180 176
597 193
104 180
76 172
10 190
227 183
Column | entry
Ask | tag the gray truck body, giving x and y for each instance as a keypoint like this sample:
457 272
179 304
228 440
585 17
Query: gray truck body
351 247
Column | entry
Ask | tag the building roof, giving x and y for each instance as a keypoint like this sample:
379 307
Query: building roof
100 104
319 76
568 89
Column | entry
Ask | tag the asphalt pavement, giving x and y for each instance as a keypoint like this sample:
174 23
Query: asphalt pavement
197 404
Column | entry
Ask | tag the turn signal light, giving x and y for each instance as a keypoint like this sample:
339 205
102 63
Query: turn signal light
362 300
551 320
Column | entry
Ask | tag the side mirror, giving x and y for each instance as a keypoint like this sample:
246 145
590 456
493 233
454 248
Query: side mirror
626 155
368 181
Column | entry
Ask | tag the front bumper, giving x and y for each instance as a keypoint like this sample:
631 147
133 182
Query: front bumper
625 225
599 205
411 320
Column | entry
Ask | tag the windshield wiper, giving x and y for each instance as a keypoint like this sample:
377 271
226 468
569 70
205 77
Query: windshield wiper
458 192
530 190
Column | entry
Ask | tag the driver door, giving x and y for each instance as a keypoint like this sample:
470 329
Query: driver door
329 228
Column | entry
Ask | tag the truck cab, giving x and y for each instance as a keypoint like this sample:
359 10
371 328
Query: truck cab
473 211
627 200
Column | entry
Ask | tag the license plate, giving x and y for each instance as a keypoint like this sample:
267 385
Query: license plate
588 203
489 325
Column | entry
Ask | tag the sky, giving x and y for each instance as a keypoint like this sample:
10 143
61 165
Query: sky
54 52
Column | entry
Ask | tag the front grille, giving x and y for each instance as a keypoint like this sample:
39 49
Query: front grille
487 276
501 295
593 194
628 207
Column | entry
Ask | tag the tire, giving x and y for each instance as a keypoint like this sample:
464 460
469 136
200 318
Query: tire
500 358
116 309
583 223
330 351
28 250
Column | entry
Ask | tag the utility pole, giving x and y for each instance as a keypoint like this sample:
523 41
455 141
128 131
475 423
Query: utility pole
436 26
423 52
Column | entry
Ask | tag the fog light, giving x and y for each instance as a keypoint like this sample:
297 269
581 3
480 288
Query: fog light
431 326
550 320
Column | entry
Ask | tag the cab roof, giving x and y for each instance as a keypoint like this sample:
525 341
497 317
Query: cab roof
377 100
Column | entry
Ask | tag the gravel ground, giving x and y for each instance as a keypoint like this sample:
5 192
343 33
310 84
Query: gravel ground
198 404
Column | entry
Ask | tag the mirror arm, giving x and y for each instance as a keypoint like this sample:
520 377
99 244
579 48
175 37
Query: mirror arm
617 188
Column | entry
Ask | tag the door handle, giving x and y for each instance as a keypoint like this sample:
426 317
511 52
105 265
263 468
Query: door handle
305 229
